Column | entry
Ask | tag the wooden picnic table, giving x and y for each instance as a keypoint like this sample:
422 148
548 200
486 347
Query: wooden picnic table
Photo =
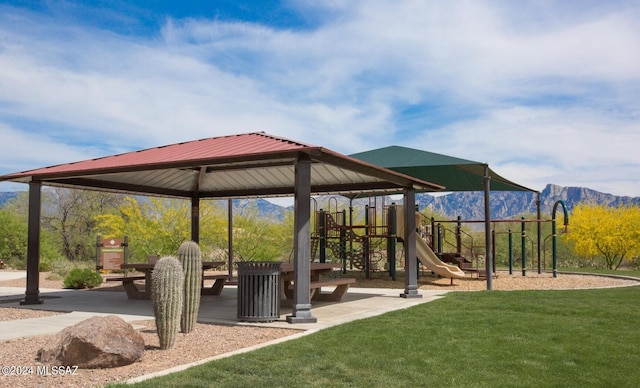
147 269
316 283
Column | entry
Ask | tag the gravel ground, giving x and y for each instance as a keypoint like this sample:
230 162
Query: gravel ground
204 342
208 340
503 281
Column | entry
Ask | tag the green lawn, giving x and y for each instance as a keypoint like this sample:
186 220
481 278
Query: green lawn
634 273
469 339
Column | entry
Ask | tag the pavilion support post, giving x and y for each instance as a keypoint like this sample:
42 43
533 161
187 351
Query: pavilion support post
411 258
33 245
302 243
230 235
195 218
487 228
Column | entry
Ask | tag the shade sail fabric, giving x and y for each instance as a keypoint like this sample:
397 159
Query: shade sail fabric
454 173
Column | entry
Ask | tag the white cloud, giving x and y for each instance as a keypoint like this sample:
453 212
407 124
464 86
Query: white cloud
536 146
546 91
21 151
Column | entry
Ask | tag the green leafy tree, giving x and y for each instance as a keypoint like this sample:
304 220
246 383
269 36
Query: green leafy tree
259 239
610 233
70 216
14 233
158 226
13 236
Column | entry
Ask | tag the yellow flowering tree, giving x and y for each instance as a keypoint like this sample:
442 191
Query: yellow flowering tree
158 226
610 233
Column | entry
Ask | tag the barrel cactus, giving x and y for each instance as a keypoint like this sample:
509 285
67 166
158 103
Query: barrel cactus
167 281
191 259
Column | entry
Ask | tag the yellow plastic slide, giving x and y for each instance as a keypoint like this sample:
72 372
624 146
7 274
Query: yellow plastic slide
425 254
430 260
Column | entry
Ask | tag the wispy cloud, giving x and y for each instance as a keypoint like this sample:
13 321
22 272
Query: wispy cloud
545 92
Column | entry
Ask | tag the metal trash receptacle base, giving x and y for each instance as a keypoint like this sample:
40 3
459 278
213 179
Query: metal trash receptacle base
258 291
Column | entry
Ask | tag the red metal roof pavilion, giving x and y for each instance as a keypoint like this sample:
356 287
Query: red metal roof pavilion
245 165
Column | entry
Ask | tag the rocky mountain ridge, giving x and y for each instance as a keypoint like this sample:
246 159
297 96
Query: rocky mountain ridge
467 205
509 204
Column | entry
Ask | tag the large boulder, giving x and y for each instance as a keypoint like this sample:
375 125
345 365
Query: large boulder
98 342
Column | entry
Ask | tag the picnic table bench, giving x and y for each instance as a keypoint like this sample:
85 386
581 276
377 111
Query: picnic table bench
217 286
316 283
315 288
133 292
130 287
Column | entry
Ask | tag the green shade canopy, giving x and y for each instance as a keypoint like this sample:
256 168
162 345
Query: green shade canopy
454 173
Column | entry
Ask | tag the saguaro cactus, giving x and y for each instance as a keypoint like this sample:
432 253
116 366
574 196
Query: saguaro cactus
166 294
191 259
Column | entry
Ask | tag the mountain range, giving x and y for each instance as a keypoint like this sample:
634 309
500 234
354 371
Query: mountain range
509 204
467 205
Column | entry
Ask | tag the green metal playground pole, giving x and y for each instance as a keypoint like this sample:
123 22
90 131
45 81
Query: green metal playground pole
539 239
343 242
493 248
417 210
392 241
323 236
510 252
524 249
433 234
439 250
459 236
553 233
350 239
554 248
365 242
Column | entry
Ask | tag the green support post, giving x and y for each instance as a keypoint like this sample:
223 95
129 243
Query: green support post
510 252
459 236
553 233
433 234
343 242
322 231
493 248
524 249
440 237
392 241
365 244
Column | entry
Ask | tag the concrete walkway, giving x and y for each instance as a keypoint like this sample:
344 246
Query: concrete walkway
359 303
78 305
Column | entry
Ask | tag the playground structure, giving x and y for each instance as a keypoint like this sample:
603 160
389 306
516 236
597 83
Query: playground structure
425 254
469 255
362 247
370 246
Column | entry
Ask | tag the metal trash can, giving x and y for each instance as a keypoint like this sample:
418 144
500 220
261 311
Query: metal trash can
258 291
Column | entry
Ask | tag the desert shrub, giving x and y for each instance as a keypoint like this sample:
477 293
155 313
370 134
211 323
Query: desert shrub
19 264
63 266
44 266
79 278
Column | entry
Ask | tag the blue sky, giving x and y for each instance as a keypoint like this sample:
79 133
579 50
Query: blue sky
543 91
